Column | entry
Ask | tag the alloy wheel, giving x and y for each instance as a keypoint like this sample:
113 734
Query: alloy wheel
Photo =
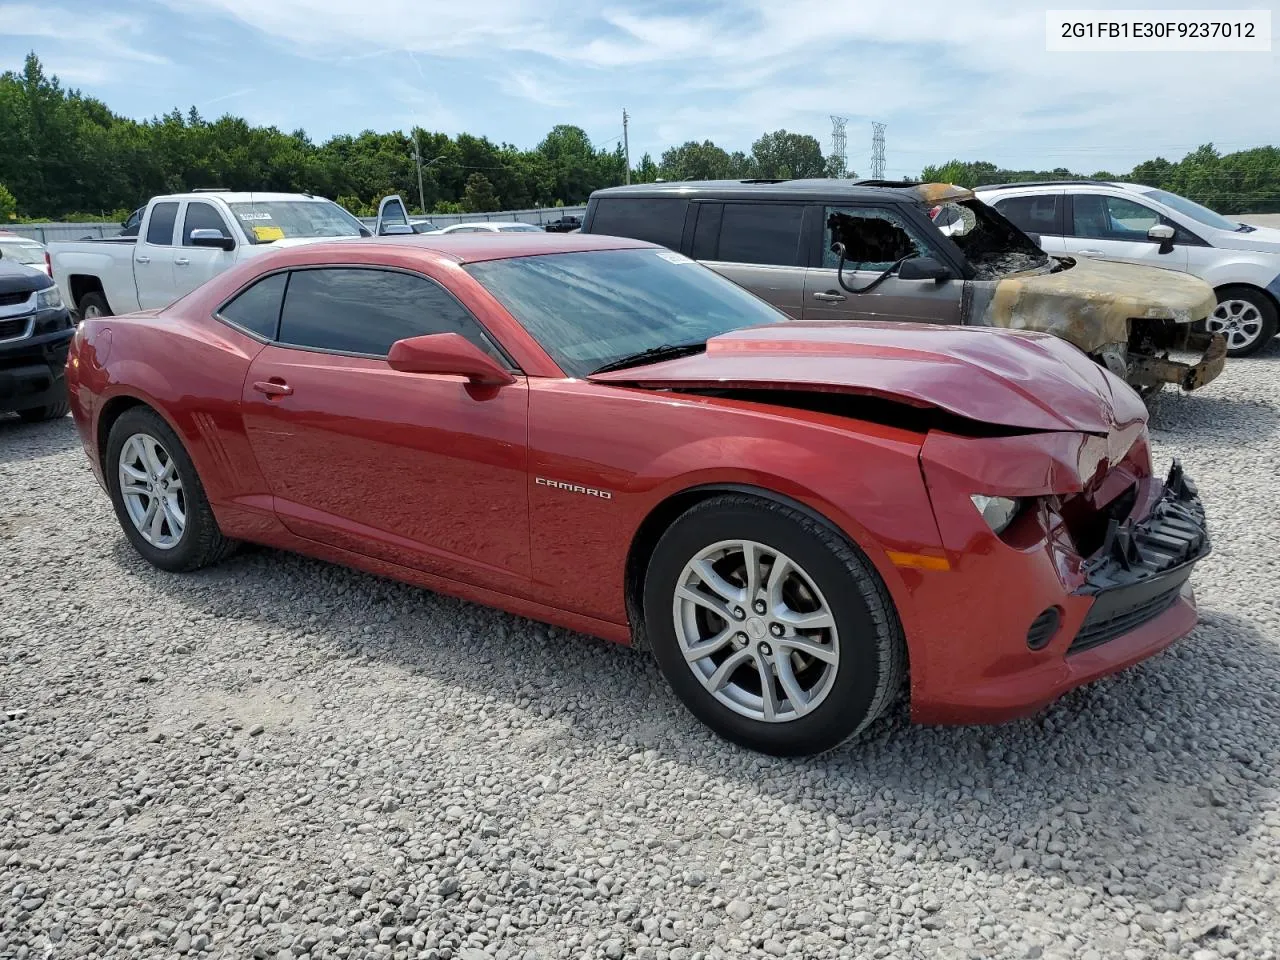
1238 320
152 491
756 631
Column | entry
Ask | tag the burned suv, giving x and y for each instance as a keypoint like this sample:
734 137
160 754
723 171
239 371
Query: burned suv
823 250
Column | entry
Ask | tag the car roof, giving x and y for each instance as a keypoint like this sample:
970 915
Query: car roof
1035 184
229 196
477 247
908 191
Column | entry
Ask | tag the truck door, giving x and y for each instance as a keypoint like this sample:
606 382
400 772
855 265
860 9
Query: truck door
193 265
154 255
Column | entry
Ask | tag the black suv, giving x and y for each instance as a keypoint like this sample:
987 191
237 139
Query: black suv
35 331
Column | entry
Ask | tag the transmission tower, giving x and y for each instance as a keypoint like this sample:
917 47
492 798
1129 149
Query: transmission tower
877 150
838 146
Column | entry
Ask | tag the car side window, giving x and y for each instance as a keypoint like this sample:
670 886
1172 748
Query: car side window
914 237
257 309
1098 217
160 226
365 311
202 216
1036 214
655 219
764 233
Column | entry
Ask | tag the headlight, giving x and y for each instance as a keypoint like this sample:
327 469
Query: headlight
49 299
997 511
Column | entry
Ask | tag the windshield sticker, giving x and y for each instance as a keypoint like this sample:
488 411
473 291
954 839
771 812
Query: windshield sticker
267 234
672 257
254 215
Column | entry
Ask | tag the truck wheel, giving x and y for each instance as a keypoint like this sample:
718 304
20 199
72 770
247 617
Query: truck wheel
53 411
93 305
1246 317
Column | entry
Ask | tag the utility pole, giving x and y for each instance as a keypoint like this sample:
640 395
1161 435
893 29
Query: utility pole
417 159
626 144
838 145
877 150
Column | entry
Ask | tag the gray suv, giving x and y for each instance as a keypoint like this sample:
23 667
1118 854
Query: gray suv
823 250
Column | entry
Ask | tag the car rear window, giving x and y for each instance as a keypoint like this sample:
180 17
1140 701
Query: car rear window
764 233
655 219
1037 214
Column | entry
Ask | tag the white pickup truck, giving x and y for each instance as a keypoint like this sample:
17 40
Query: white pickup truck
185 239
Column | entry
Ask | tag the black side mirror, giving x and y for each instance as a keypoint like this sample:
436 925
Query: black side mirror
1162 234
923 268
212 238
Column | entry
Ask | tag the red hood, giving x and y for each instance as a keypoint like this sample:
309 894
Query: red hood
1028 380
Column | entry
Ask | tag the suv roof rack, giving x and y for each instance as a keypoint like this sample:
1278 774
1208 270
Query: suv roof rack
887 183
211 190
1047 183
766 180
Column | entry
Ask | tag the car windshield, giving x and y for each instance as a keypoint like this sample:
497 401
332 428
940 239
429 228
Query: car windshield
993 245
266 221
594 308
22 252
1189 208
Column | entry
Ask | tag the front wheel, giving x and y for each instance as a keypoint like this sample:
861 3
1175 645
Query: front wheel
157 494
52 411
1246 317
772 628
94 305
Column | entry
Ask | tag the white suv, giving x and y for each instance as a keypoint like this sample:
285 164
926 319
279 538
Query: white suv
1137 224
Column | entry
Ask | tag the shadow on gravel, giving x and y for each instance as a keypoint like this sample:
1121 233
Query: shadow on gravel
18 438
1161 750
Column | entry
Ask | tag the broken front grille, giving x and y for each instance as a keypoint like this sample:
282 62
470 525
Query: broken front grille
1106 623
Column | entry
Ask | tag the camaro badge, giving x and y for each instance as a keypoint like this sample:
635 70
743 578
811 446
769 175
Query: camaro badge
573 488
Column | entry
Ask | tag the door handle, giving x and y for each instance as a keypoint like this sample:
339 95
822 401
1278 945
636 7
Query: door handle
273 388
181 262
142 259
830 297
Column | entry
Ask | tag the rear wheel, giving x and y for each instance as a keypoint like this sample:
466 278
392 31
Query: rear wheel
93 305
772 628
158 496
1246 317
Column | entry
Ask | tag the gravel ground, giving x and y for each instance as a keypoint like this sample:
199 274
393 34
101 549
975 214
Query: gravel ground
281 758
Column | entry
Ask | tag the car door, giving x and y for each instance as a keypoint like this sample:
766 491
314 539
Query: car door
153 257
1040 215
757 245
193 265
920 301
1115 228
421 470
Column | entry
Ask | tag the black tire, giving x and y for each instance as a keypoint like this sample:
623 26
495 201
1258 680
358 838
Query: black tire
201 542
95 301
54 411
872 652
1260 302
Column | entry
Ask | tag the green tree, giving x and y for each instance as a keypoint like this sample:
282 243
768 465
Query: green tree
8 204
478 196
787 155
695 161
646 170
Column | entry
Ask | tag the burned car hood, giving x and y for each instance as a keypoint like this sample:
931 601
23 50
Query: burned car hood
1089 303
1028 381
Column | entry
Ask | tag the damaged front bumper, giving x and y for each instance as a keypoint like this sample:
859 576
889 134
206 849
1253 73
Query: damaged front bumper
1088 584
1150 371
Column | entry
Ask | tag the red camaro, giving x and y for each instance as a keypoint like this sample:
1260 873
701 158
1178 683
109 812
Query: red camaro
604 435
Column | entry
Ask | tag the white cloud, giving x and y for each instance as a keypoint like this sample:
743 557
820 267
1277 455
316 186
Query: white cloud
102 36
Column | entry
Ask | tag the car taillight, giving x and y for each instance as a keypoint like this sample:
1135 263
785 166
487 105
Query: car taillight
48 264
